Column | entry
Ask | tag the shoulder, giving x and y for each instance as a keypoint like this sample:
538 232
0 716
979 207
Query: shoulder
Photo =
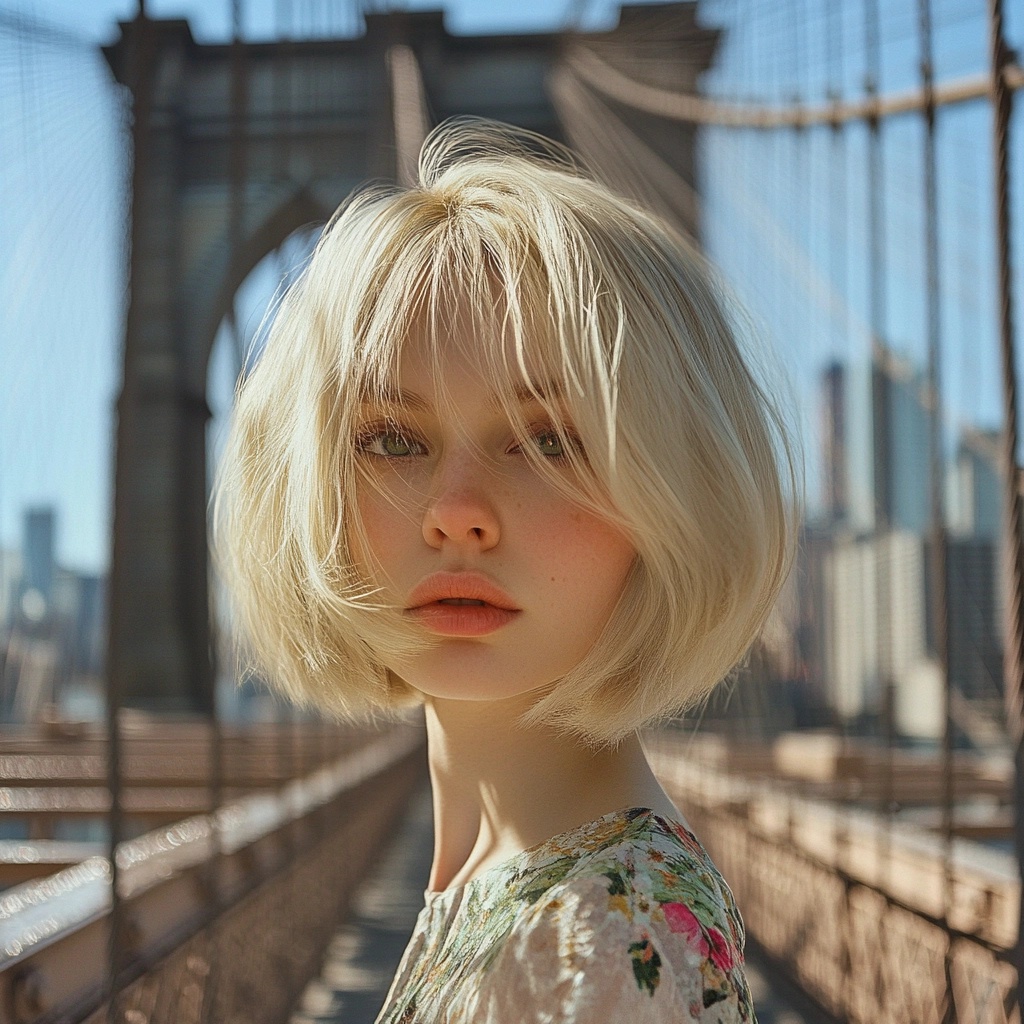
643 929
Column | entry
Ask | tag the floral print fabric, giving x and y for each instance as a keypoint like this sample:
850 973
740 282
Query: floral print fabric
623 919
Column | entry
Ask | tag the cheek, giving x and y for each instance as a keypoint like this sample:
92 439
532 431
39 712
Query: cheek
589 555
384 527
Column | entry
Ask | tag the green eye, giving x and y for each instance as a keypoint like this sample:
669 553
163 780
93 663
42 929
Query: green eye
395 444
550 444
388 443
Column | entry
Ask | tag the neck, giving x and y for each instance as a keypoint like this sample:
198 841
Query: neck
499 789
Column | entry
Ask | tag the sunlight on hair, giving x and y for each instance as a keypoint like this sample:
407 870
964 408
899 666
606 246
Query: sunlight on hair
614 322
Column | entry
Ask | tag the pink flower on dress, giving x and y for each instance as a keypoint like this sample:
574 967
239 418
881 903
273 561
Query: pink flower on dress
681 918
722 955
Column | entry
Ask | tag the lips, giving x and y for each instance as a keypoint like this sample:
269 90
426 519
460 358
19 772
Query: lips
461 604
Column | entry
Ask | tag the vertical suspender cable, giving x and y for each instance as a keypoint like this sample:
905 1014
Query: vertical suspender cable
140 77
291 731
282 84
936 461
1013 519
882 441
838 241
282 728
237 156
882 438
236 211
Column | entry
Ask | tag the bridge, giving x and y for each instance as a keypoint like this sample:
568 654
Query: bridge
852 170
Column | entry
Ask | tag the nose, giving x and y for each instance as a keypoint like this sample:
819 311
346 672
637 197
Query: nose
460 509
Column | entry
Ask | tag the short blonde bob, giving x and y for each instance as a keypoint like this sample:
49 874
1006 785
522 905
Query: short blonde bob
565 282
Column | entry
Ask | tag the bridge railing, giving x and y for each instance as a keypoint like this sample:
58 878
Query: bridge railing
212 906
54 776
877 922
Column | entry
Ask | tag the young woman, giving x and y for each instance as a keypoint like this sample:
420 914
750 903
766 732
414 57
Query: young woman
502 458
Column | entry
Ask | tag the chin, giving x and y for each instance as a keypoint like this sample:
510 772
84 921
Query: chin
473 686
476 691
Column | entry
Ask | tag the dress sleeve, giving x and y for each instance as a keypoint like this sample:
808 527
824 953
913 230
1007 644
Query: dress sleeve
588 954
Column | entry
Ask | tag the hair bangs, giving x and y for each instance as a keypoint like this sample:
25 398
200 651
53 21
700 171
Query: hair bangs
492 289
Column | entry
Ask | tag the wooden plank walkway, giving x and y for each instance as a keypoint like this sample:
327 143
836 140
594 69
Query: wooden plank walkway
364 954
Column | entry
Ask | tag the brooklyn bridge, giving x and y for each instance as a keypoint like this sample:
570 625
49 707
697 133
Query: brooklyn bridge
176 843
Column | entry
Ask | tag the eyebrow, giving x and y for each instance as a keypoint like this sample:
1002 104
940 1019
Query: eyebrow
546 390
393 396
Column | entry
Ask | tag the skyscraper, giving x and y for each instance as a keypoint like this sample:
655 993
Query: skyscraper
39 562
900 440
975 492
833 432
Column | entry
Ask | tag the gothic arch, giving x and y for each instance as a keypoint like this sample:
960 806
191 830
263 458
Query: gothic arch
300 209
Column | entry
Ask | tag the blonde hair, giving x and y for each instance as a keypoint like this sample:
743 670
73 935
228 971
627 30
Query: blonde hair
681 445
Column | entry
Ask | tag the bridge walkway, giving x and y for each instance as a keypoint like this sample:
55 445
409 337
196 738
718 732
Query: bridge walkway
364 953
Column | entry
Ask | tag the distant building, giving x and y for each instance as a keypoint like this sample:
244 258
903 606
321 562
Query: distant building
859 474
90 636
880 627
812 625
975 492
975 618
53 624
79 610
866 618
851 578
887 472
39 562
833 432
11 575
902 444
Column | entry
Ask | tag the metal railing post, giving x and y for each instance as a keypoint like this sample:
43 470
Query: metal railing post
1001 98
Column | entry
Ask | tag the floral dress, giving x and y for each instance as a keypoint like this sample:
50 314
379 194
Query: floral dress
623 920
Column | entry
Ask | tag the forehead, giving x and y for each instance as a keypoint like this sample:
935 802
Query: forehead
489 351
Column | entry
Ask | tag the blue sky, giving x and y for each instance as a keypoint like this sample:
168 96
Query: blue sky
771 223
211 21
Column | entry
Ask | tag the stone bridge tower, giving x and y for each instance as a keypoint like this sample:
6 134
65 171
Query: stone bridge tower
237 146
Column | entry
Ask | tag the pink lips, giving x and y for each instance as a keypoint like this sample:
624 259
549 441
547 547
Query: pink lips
461 604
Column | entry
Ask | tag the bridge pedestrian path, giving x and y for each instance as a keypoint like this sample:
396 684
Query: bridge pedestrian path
364 953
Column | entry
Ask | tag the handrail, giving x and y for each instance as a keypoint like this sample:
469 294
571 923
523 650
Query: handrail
808 826
860 926
163 879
